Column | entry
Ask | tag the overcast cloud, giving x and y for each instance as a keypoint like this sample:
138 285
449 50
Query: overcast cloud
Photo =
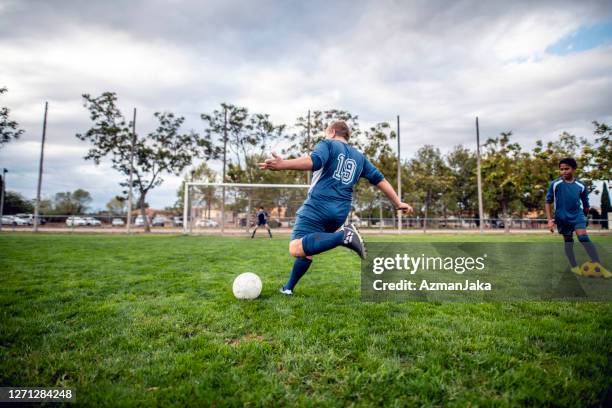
536 68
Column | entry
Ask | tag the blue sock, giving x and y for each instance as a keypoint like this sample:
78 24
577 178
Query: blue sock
300 266
569 250
318 242
589 247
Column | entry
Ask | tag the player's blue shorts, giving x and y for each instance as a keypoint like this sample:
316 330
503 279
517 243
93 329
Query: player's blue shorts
264 222
319 217
565 227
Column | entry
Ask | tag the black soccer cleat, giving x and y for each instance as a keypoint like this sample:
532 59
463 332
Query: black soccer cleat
353 240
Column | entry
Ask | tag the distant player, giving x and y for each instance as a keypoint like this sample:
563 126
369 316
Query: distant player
336 167
571 200
262 220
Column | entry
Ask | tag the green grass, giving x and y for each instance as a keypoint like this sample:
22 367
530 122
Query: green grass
151 321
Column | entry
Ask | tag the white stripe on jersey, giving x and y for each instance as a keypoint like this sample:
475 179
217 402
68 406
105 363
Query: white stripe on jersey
583 188
555 184
316 176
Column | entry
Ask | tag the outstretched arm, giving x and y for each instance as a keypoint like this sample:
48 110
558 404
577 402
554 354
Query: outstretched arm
386 188
278 163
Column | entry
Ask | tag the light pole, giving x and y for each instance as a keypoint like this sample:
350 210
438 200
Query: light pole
399 177
479 180
4 171
130 194
40 170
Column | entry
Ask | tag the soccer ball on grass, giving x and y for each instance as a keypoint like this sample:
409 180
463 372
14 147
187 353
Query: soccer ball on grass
247 286
591 269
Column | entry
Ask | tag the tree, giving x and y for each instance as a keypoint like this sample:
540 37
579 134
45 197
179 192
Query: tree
247 135
232 129
260 134
319 120
71 203
431 178
15 203
9 129
596 158
605 206
377 148
202 196
224 128
462 199
117 205
502 175
164 150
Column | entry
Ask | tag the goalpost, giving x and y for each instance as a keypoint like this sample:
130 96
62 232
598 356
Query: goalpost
209 204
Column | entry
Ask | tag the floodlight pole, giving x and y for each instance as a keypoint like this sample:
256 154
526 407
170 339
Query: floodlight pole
185 205
399 177
308 144
129 205
4 171
224 160
40 169
479 179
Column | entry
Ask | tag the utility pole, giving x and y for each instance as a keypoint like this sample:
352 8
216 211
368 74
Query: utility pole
399 177
129 209
479 178
4 171
224 160
40 169
308 143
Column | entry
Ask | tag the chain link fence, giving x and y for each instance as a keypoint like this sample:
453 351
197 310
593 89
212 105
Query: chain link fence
241 222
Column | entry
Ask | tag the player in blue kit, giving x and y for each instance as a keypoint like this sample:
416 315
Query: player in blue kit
336 168
571 200
262 220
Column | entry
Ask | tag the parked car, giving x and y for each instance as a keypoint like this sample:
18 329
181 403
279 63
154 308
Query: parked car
28 218
92 221
75 221
139 221
12 220
177 221
117 222
206 223
497 223
158 221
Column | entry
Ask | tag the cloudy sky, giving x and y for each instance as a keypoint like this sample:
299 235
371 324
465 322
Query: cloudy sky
536 68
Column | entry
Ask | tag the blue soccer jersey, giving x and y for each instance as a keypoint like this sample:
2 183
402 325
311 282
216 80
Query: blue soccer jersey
262 217
336 167
570 200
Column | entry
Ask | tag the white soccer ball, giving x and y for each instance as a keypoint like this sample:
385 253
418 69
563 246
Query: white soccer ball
247 286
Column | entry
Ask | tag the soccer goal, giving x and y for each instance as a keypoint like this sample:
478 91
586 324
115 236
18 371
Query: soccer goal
233 207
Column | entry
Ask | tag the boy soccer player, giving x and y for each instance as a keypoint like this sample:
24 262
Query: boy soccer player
336 167
262 220
571 200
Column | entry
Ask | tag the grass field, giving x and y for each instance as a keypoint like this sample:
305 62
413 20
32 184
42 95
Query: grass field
151 321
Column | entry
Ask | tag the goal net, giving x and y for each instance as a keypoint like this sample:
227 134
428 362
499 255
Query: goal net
233 207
